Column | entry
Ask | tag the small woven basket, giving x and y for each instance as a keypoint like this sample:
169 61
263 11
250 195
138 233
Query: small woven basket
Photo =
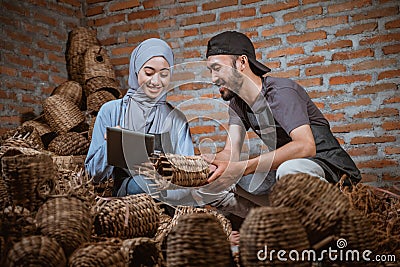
102 83
79 40
70 143
99 254
143 251
97 99
70 89
274 228
198 240
36 251
320 204
29 178
66 219
126 217
97 63
23 136
189 171
62 114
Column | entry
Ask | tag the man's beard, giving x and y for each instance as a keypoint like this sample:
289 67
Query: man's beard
234 85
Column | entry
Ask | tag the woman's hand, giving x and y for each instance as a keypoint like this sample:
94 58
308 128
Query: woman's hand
228 170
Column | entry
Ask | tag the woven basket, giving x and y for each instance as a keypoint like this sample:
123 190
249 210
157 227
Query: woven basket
102 83
70 89
277 228
96 62
198 240
4 199
24 136
189 171
104 188
320 204
97 99
36 251
62 114
127 217
29 178
74 163
66 219
41 127
143 251
67 144
79 40
99 254
75 68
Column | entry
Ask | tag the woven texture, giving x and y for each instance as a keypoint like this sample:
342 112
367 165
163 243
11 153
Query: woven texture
189 171
41 127
79 40
23 136
74 163
29 178
4 199
99 254
36 251
97 63
97 99
70 89
198 240
62 114
71 143
278 228
127 217
320 204
102 83
66 219
75 68
143 251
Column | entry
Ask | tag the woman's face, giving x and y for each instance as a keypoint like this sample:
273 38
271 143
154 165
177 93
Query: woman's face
154 76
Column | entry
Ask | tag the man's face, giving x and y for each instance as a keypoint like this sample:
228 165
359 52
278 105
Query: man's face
225 75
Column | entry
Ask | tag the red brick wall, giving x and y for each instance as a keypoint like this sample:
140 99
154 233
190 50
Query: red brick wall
345 53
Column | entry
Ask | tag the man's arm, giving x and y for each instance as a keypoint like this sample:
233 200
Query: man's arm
233 144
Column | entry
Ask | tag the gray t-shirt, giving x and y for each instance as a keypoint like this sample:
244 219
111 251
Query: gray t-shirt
289 103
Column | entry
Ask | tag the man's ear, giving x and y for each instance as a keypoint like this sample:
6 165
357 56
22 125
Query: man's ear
243 62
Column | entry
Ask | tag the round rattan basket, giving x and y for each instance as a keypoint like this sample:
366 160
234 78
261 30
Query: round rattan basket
271 228
126 217
36 251
143 251
29 178
70 89
75 69
70 143
102 83
99 254
189 171
66 219
97 99
62 114
79 40
96 62
198 240
320 204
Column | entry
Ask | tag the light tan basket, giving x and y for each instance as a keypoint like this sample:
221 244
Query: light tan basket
198 240
36 251
97 63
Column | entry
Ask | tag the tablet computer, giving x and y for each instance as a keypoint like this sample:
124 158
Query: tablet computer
126 148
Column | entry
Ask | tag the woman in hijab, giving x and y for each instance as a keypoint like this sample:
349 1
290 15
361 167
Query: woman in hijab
143 109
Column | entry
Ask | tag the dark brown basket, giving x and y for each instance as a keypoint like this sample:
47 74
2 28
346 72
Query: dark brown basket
274 228
97 99
189 171
29 178
70 89
198 240
79 40
67 144
66 219
320 204
143 251
24 136
75 68
102 83
99 254
4 199
36 251
126 217
97 63
62 114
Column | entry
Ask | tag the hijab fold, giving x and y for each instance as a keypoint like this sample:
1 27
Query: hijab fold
143 113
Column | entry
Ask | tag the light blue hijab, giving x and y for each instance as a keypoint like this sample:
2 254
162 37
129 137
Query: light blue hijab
142 111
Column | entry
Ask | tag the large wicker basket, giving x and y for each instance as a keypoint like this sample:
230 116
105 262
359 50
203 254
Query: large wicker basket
198 240
29 178
70 89
67 219
189 171
79 40
36 251
271 228
97 63
320 204
67 144
143 251
75 69
102 83
97 99
62 114
23 136
127 217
